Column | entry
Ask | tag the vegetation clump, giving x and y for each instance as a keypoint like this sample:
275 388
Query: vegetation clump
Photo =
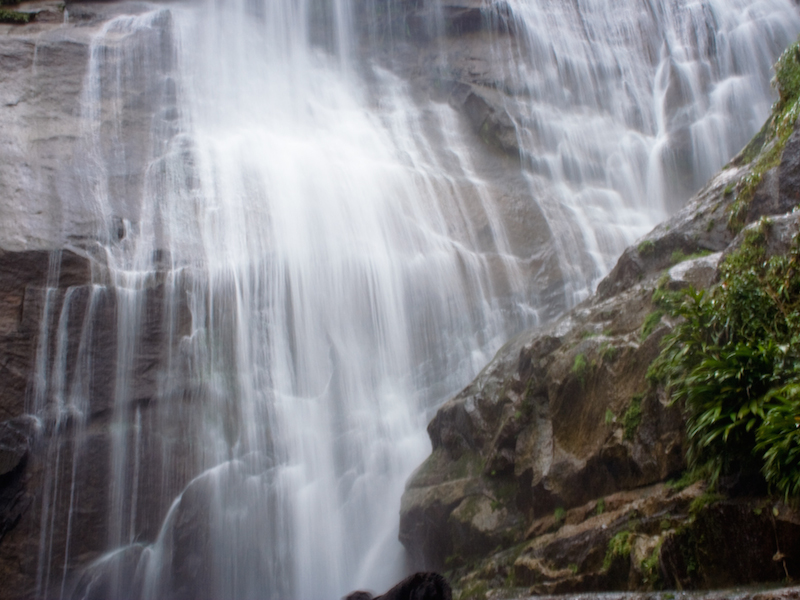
579 368
767 147
632 417
15 17
651 574
651 321
619 546
646 248
733 360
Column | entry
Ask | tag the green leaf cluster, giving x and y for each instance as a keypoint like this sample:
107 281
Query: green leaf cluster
14 16
619 546
733 360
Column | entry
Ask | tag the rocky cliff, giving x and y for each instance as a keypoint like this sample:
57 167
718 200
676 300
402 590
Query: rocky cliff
561 467
557 453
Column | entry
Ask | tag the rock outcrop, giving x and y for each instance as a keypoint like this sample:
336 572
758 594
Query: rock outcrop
556 449
549 471
419 586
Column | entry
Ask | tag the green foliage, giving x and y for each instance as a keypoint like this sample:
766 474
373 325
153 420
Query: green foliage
559 513
619 546
651 574
474 591
767 147
734 361
778 438
686 479
646 248
579 368
705 499
601 506
15 17
651 321
632 417
787 76
608 352
610 417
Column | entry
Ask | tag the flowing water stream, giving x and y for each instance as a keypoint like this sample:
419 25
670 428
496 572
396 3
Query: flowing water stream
314 256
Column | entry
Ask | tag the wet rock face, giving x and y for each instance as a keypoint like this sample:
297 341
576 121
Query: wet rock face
552 423
44 460
733 543
554 455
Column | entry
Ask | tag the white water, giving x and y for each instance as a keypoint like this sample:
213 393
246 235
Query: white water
632 106
344 258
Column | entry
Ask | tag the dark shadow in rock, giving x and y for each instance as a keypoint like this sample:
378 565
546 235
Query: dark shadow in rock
419 586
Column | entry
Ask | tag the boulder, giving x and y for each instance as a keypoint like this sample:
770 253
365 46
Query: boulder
419 586
548 471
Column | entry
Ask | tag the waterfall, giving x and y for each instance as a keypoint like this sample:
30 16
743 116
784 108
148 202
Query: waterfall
304 253
631 107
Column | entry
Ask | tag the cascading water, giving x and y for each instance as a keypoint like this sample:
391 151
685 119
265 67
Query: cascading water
630 107
314 256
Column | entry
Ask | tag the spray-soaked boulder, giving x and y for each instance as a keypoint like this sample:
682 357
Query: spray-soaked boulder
548 471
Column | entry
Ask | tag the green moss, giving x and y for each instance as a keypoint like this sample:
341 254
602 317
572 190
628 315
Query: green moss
632 417
15 17
766 149
787 77
646 248
580 366
469 464
608 352
619 546
651 574
610 417
559 513
474 591
705 499
651 321
686 479
601 506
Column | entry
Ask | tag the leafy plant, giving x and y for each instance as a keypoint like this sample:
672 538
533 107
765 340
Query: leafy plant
619 546
632 417
601 506
15 17
778 438
608 352
651 574
651 321
767 146
646 247
707 498
579 368
734 362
